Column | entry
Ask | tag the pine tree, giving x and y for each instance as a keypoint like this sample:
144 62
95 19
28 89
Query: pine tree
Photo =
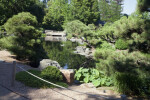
56 15
143 5
85 10
110 11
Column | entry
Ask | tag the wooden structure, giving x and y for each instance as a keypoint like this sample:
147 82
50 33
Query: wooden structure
55 35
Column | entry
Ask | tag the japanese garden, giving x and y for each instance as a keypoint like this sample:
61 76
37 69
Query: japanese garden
91 39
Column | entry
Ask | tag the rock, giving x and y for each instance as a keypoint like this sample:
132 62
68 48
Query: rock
80 41
90 85
81 49
68 75
87 51
47 62
87 85
2 60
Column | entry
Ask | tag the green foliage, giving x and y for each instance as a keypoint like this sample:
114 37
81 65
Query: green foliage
132 68
105 45
121 44
143 5
135 27
56 15
98 78
102 53
27 42
7 42
9 8
78 29
60 12
51 73
22 25
75 28
128 84
31 81
85 10
2 34
110 12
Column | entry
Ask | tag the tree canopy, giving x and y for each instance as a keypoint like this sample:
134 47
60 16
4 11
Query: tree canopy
8 8
110 11
25 32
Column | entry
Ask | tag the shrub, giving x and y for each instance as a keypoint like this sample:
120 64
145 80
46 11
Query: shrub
52 73
78 29
125 27
7 42
121 44
132 68
31 81
24 27
106 45
98 78
102 53
128 84
75 28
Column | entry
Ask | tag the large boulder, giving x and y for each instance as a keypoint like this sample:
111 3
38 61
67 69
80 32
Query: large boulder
47 62
68 75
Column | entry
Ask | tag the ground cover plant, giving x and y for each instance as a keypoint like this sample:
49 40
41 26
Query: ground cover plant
51 74
98 78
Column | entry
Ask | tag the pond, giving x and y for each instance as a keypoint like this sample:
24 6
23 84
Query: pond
62 52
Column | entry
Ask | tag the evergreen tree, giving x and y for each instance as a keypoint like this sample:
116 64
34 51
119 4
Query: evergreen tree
110 11
57 13
85 10
8 8
27 37
143 5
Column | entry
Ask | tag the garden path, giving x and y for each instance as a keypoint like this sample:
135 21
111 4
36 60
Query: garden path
42 94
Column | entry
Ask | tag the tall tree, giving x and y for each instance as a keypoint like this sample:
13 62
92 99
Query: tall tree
110 11
8 8
143 5
85 10
56 15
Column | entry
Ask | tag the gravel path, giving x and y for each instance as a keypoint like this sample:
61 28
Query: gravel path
44 94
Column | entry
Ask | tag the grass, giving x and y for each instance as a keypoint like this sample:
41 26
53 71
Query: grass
31 81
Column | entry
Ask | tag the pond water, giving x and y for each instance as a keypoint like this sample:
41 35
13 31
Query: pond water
66 66
64 54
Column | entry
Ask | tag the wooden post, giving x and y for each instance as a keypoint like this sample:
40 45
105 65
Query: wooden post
13 73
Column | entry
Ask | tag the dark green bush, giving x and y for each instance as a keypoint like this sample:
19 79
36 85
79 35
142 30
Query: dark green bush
31 81
133 69
52 73
128 84
121 44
